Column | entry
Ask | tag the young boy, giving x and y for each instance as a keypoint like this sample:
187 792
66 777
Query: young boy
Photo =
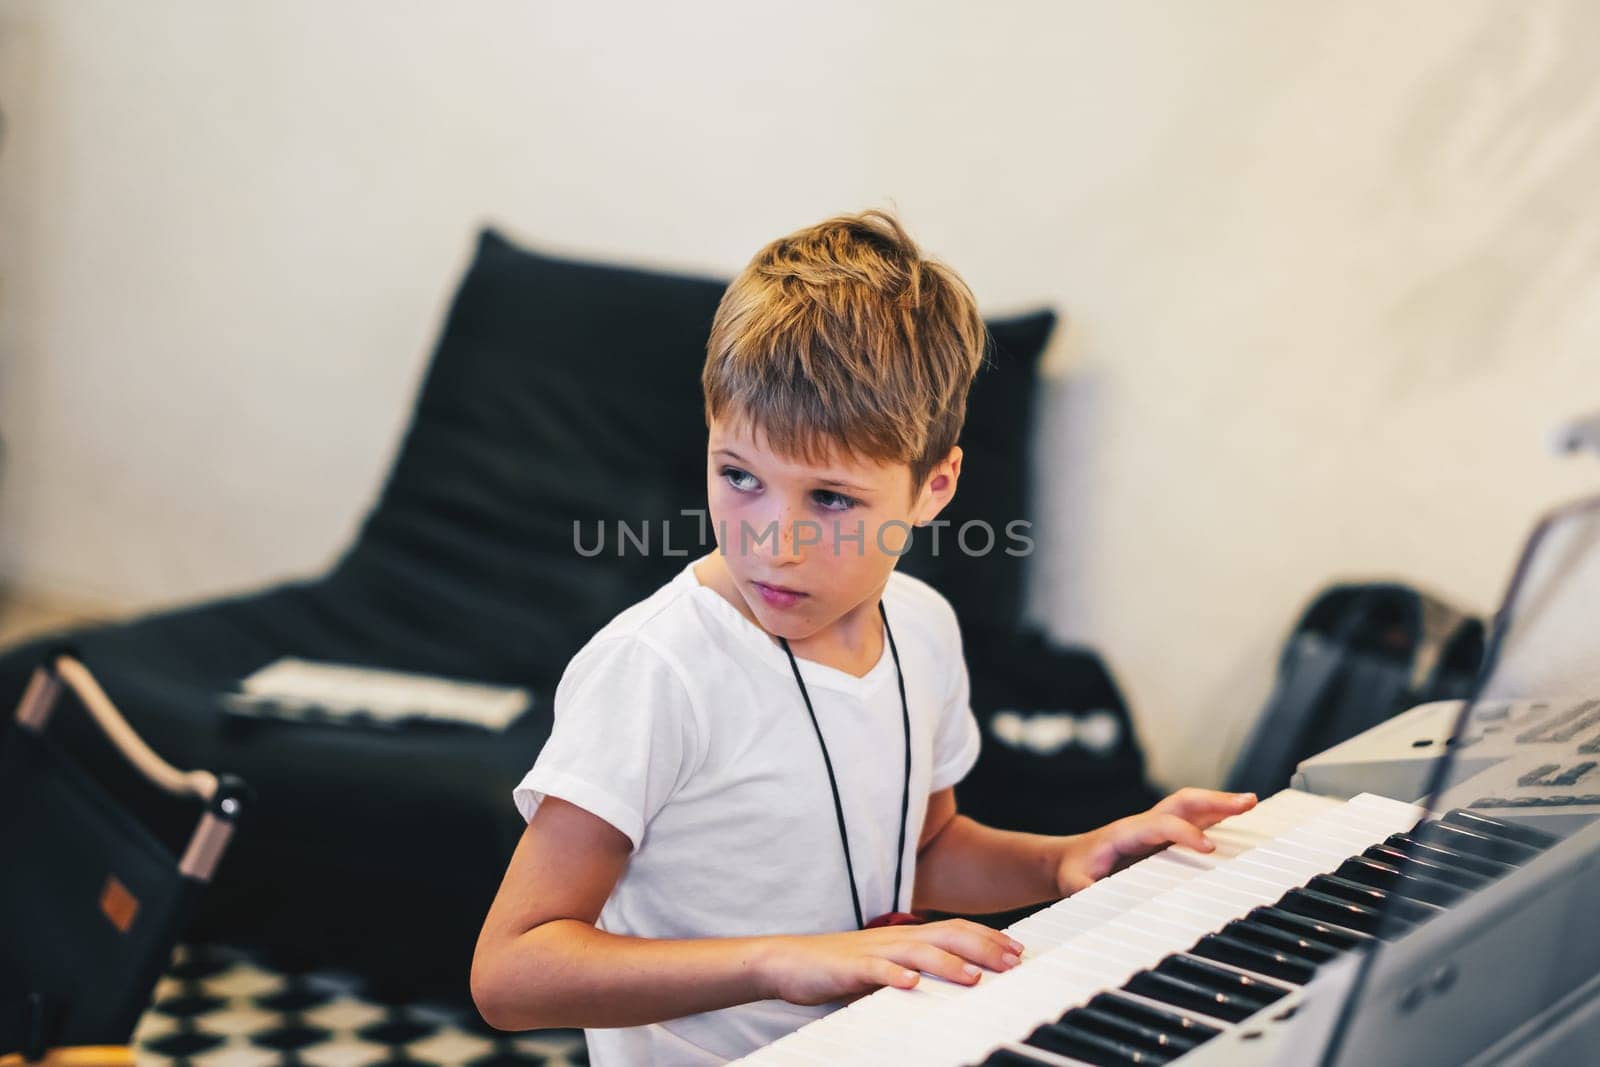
756 761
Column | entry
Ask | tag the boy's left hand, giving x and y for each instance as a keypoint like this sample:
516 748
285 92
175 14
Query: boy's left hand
1177 820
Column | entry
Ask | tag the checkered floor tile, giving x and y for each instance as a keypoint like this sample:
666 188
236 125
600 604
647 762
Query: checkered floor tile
222 1007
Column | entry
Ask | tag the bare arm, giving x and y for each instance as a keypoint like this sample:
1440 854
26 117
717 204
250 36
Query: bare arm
968 868
540 961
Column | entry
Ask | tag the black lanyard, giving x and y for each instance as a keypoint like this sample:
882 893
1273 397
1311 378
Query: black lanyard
838 805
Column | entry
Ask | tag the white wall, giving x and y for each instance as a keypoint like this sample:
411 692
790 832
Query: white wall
1330 270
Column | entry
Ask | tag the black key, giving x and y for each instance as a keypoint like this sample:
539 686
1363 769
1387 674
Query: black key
1317 905
1276 940
1265 961
1429 868
1182 994
1392 880
1341 937
1120 1029
1139 1012
1509 831
1345 889
1476 844
1436 853
1368 871
1067 1040
1228 980
1391 904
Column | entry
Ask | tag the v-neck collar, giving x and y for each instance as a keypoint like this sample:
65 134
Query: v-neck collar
769 651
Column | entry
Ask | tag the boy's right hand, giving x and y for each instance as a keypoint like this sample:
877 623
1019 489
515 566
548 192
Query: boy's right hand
819 968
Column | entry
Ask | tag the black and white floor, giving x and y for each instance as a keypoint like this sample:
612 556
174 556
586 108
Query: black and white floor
221 1007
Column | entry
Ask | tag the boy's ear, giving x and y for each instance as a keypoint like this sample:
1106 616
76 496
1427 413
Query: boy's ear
939 488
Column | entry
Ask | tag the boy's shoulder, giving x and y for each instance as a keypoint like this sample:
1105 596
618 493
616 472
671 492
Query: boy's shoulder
665 621
911 602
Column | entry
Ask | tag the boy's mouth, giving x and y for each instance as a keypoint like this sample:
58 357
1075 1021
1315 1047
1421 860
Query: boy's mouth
777 595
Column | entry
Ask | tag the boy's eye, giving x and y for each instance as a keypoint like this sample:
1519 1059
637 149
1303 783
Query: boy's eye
733 476
834 501
745 482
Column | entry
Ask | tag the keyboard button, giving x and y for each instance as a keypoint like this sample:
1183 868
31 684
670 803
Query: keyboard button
1537 775
1275 940
1090 1047
1190 995
1389 879
1139 1012
1443 854
1341 937
1390 904
1499 828
1194 969
1323 908
1120 1029
1499 849
1412 863
1229 950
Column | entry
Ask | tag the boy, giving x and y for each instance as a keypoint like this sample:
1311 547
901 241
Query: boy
758 758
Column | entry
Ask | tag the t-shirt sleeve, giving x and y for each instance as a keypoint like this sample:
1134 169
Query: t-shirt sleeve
625 737
957 738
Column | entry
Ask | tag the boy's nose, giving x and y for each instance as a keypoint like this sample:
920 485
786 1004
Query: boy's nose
788 536
799 534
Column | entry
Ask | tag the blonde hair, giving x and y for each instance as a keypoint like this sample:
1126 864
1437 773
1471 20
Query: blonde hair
844 334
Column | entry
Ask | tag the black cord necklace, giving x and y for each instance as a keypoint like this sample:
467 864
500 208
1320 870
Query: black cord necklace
833 783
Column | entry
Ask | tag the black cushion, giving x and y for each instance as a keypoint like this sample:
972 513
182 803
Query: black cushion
984 581
561 392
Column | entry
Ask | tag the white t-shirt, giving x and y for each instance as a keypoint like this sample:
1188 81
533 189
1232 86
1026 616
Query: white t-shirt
680 724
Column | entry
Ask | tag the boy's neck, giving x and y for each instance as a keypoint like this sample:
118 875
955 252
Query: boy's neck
852 643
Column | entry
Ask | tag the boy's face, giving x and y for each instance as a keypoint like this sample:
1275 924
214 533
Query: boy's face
830 533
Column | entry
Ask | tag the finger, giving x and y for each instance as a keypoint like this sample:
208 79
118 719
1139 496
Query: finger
1205 806
1151 832
1005 941
878 971
931 959
989 933
975 942
1183 832
945 929
1215 806
1173 802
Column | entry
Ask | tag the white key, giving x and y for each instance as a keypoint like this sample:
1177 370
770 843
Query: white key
1291 864
1101 909
1198 901
1343 834
1310 843
1229 891
1171 929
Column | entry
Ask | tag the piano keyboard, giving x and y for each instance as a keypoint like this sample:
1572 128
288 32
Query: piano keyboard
1160 958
